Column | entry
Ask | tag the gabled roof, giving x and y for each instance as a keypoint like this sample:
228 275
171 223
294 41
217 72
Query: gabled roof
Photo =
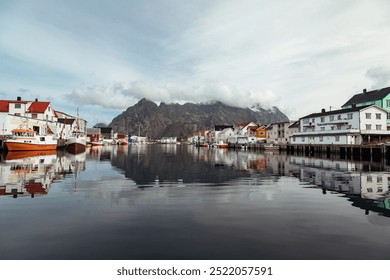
294 125
242 124
38 107
4 104
220 127
335 112
65 121
367 96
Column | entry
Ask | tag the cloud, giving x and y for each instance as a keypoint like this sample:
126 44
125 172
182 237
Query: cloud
279 53
121 95
379 75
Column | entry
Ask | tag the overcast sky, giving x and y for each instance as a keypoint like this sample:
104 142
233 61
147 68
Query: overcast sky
103 56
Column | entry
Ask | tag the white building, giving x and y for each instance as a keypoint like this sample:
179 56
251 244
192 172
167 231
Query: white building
37 115
280 133
354 126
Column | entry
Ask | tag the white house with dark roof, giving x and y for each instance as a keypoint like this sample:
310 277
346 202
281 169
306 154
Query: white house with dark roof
353 126
378 97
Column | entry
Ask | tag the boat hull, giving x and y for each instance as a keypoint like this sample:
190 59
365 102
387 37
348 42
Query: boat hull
76 145
18 146
75 148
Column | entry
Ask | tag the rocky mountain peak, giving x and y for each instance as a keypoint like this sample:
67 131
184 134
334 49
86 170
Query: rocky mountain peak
178 120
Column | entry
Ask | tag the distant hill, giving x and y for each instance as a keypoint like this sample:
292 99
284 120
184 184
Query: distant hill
182 120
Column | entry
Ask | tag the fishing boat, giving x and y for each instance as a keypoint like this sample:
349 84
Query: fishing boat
25 139
77 141
221 145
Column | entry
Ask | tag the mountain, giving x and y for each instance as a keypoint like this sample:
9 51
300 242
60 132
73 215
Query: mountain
182 120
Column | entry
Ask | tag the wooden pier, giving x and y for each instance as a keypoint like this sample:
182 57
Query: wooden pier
350 152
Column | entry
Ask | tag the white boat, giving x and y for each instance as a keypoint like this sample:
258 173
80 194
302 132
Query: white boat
26 139
77 142
221 145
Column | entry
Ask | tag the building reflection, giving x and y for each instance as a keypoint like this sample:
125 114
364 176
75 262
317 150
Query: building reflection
30 174
365 184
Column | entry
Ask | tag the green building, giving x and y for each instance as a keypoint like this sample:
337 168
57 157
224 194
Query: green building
379 97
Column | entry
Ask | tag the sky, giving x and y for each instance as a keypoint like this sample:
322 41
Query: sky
103 56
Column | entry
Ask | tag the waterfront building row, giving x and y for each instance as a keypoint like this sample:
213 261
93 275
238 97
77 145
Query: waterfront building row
39 116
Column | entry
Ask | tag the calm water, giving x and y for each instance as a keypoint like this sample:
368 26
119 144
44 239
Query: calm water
179 202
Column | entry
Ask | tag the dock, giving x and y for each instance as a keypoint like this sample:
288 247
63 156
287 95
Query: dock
374 152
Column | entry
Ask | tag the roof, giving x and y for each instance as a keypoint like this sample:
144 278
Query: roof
38 107
4 104
221 127
22 130
368 96
295 124
242 124
327 113
65 120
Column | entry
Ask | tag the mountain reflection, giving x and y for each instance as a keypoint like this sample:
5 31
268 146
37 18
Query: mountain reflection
366 185
31 173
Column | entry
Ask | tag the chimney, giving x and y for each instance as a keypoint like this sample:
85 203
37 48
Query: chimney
36 99
18 98
364 91
323 111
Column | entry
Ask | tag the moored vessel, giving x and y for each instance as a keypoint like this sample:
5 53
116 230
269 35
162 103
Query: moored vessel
25 139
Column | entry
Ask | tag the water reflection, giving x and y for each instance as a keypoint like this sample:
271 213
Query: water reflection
180 202
366 184
31 173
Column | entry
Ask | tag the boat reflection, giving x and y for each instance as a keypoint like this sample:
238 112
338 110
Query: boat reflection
29 174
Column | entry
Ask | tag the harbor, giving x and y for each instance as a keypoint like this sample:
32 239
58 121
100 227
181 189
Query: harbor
145 198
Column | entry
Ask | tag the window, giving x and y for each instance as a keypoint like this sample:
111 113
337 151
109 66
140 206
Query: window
369 178
305 121
378 116
368 126
379 179
337 138
388 116
388 103
349 116
322 128
34 116
339 117
331 118
322 119
321 138
17 114
303 139
332 127
378 127
368 115
18 106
